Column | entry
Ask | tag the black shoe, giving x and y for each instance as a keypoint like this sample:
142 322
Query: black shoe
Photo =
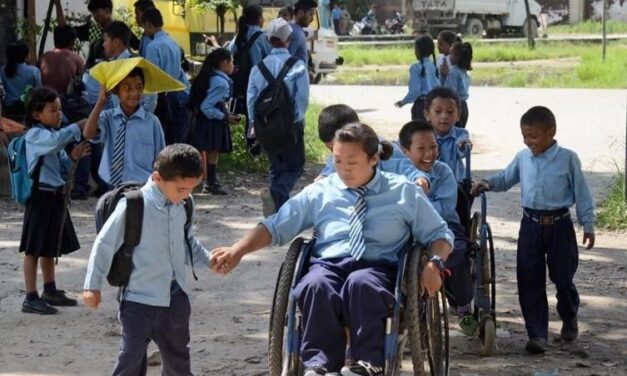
216 190
58 298
38 306
536 345
570 330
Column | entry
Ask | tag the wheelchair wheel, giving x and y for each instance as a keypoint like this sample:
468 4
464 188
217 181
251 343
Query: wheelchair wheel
280 361
427 322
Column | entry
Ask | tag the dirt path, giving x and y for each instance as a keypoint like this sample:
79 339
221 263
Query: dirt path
230 315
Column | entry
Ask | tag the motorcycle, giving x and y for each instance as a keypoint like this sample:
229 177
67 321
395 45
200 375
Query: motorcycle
366 26
395 24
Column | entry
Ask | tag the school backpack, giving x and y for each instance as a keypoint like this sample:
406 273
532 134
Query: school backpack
274 111
122 264
22 183
242 67
74 105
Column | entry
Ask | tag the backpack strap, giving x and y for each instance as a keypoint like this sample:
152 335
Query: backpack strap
266 73
289 63
188 203
252 39
132 227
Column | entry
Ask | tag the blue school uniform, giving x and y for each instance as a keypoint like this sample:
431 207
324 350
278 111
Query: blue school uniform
92 87
50 166
298 44
259 49
287 165
157 293
550 183
143 140
459 81
449 151
336 284
163 52
211 131
14 87
419 86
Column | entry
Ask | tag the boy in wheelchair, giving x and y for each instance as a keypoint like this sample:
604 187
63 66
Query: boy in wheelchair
362 218
419 143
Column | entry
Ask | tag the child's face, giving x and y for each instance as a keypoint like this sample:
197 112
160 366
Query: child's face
175 190
423 150
453 56
537 138
112 47
50 115
352 163
226 66
442 114
130 91
443 47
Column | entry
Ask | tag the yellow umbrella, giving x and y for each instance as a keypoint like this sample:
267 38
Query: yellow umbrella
110 73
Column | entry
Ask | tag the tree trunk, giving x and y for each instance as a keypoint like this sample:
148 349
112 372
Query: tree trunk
530 41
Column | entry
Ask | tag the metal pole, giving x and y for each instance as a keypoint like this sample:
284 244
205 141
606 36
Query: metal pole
604 22
44 34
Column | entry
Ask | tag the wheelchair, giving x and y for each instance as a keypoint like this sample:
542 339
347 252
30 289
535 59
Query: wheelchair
419 320
482 265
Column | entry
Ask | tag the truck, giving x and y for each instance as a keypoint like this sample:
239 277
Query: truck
476 17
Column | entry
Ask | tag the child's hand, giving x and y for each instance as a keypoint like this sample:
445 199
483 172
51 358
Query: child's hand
80 150
430 279
81 123
211 40
398 104
233 118
424 184
92 298
102 96
465 142
478 187
223 260
590 238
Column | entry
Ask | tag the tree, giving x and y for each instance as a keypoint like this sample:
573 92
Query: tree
221 8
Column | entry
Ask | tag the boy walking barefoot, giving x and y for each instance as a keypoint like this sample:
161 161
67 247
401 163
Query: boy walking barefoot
551 182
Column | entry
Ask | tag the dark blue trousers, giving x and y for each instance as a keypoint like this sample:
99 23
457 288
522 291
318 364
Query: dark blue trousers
167 326
460 283
174 115
286 167
344 292
541 245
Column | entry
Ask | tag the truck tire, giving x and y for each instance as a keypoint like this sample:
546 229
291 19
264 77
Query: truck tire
474 27
534 28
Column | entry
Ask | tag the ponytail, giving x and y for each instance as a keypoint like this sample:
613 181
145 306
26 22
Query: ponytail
385 150
201 83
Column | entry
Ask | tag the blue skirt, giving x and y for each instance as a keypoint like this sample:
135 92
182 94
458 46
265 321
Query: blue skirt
210 134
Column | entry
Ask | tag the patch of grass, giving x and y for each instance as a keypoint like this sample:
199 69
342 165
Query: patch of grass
240 160
613 213
589 27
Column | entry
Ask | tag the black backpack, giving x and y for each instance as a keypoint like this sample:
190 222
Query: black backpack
274 111
242 67
122 264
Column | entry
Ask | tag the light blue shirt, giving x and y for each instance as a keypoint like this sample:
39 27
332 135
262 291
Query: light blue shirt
396 211
420 86
298 43
324 13
163 52
398 163
161 254
450 152
337 13
143 141
260 48
550 181
219 92
443 191
50 143
458 81
14 87
297 81
143 43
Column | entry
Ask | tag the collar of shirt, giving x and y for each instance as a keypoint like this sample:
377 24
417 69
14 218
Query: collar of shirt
450 134
159 34
549 153
279 51
123 55
374 185
223 75
154 194
140 113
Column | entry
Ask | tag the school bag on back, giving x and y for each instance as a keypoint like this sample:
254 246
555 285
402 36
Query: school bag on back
122 264
242 64
274 111
22 183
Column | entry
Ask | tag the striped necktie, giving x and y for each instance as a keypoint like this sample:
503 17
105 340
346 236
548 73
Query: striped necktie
117 163
356 236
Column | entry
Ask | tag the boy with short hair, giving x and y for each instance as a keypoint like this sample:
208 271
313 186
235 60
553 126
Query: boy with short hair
60 65
140 7
551 182
155 305
131 137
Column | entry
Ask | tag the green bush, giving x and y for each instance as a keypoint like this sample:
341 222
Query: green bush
613 213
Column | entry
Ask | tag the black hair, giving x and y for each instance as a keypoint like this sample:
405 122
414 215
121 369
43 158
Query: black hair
135 72
16 53
365 136
449 37
118 30
441 92
250 17
178 161
199 88
144 4
304 5
94 5
36 102
463 50
408 130
539 116
153 16
424 47
332 118
64 36
287 11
